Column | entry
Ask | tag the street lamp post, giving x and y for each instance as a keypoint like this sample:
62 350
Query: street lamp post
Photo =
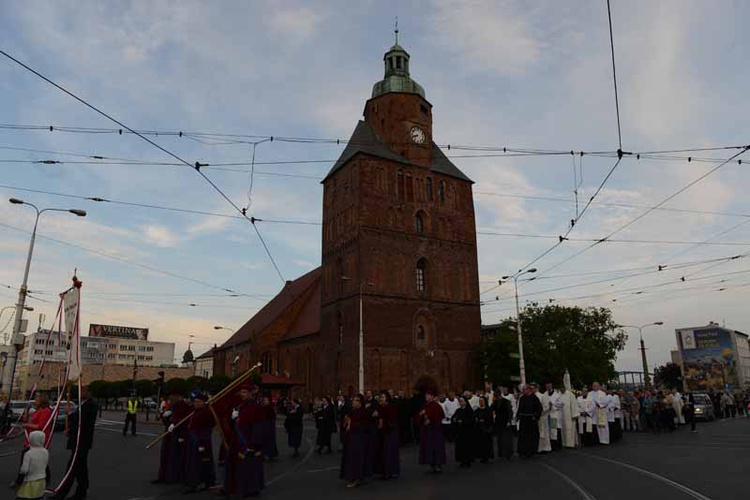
646 378
361 377
10 367
521 364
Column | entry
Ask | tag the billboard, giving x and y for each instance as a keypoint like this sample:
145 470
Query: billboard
118 332
708 359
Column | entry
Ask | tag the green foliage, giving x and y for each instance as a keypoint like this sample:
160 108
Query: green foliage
179 385
216 383
145 388
99 389
668 376
555 338
583 341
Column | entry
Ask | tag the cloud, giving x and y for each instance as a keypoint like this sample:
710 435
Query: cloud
297 24
160 236
487 35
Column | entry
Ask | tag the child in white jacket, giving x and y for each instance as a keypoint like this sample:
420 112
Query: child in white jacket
31 479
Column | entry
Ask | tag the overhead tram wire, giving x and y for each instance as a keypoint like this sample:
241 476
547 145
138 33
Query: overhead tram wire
614 73
131 262
481 231
654 269
505 150
646 212
620 154
164 150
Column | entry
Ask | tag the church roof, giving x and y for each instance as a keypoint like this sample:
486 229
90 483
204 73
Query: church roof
365 140
292 292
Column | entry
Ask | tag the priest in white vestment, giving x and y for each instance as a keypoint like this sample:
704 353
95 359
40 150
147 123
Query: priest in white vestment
554 417
585 418
617 410
544 442
567 408
600 403
677 406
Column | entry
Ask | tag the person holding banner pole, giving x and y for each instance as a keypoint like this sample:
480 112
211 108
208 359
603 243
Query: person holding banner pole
83 418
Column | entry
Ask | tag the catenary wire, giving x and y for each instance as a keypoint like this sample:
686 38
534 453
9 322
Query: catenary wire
166 151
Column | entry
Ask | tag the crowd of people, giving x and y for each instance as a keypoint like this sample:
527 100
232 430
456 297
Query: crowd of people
483 426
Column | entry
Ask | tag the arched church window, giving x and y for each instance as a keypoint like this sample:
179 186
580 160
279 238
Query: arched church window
420 333
419 223
429 189
441 191
420 272
400 185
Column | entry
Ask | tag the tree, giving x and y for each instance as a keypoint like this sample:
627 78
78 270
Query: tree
99 389
217 382
179 385
668 376
583 341
145 388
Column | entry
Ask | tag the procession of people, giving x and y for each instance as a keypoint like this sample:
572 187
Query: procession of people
483 426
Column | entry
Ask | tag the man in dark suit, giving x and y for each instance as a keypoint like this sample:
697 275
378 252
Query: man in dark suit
78 465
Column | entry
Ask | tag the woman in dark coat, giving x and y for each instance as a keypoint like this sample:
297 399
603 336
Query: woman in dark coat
325 420
355 461
431 438
268 429
503 411
484 445
387 460
293 425
464 428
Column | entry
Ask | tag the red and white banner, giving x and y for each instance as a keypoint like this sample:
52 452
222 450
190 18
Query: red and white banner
71 312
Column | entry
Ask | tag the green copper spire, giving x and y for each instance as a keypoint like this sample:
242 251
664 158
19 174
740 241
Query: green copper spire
397 77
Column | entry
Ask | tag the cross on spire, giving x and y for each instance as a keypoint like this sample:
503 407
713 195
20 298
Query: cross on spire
395 31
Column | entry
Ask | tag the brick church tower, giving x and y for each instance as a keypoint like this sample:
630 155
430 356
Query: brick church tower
399 232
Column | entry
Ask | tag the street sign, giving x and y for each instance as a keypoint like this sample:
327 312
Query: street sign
515 378
515 355
24 326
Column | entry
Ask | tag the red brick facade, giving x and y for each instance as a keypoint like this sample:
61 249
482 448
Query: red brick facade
398 224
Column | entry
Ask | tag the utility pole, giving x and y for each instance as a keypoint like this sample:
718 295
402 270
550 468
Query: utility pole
17 340
646 376
521 363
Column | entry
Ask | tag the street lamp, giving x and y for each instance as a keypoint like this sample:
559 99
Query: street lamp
361 334
236 358
10 366
521 364
646 378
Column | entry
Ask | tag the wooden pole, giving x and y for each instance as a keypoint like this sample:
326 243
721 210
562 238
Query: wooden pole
233 385
67 412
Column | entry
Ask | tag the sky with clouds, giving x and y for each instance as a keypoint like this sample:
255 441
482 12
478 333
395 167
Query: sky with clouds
534 75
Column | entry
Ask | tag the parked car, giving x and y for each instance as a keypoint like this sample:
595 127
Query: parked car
704 408
18 407
151 404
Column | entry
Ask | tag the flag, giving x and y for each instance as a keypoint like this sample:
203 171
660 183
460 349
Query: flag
71 312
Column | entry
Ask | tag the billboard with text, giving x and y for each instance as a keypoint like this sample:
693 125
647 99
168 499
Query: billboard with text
118 332
708 358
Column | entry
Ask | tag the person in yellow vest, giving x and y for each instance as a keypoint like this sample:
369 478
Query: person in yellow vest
131 411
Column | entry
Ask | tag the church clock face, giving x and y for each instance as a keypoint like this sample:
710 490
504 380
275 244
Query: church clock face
417 135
